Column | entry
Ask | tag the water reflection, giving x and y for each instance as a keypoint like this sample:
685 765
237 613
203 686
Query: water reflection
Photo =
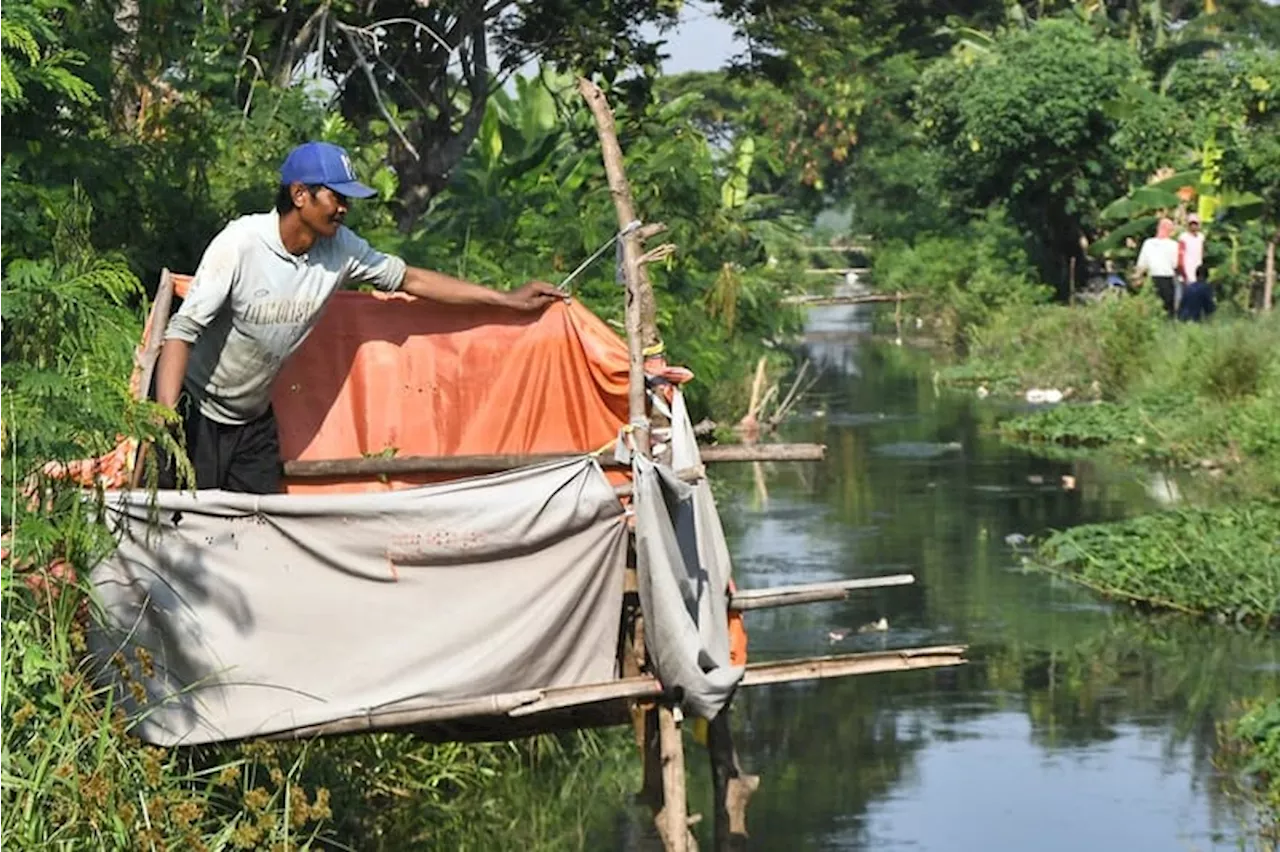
1075 726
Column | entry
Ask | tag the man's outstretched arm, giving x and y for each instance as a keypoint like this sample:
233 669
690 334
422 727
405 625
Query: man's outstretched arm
438 287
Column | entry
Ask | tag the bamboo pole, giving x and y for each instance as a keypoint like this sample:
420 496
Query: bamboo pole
524 703
672 817
763 452
862 299
480 464
745 599
501 704
620 188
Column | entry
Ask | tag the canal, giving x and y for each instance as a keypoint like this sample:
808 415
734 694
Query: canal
1077 725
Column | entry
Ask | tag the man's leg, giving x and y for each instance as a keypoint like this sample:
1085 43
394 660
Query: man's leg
1164 288
252 463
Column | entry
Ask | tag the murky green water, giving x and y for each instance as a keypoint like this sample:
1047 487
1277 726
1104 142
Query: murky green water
1076 726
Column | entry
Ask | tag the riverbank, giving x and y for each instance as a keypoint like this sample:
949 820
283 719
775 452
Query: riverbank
1200 402
1202 396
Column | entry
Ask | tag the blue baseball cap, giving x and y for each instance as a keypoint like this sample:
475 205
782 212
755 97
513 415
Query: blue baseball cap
326 164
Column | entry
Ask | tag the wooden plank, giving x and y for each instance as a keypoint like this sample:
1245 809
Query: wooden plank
862 299
846 665
159 319
524 703
745 599
489 705
481 464
762 452
757 674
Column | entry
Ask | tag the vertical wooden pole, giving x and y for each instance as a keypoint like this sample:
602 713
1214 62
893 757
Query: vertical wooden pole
1269 273
732 787
146 366
671 817
620 188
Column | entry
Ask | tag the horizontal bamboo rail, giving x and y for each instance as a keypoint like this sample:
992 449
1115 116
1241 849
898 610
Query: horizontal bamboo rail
862 299
812 592
524 703
478 464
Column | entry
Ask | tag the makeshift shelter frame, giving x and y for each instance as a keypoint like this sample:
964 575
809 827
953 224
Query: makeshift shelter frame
636 697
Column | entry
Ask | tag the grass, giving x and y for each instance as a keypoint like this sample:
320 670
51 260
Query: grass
1249 747
1196 395
1222 562
74 778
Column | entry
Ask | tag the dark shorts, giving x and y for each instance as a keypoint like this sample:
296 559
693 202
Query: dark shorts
1166 290
243 458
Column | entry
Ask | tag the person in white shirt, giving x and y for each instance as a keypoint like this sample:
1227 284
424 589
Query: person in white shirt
1158 258
1191 250
259 290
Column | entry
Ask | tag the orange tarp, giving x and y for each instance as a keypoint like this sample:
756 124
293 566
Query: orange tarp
389 372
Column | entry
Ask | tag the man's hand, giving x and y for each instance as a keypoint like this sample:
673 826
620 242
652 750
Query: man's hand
534 296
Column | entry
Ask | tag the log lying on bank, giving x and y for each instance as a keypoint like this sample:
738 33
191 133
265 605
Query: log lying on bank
518 705
478 464
745 599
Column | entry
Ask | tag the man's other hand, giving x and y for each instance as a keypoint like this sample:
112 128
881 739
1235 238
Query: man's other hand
534 296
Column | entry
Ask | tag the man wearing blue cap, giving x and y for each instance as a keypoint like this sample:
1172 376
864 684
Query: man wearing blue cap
256 295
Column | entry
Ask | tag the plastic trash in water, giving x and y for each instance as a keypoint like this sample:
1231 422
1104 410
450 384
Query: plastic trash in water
1042 395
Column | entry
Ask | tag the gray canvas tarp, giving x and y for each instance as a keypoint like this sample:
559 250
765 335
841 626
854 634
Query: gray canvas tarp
267 614
683 570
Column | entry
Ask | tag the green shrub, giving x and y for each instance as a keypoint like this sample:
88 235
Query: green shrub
1095 350
965 278
1223 561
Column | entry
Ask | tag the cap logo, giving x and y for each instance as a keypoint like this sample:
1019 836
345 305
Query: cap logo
346 166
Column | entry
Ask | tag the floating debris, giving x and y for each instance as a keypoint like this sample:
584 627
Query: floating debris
1043 395
917 449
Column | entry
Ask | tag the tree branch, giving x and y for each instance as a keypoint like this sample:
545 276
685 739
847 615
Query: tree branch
373 84
284 71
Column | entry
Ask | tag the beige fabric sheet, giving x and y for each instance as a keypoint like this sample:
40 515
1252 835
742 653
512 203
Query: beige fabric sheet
266 614
683 571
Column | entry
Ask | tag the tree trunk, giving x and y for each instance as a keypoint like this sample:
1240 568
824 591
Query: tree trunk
125 97
1269 276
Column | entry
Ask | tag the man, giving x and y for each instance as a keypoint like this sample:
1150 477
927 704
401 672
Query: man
1197 299
1158 258
1190 250
259 290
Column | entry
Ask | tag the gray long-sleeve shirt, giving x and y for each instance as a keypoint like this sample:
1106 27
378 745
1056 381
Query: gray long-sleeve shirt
252 303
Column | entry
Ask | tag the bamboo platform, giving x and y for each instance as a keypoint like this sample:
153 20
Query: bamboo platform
503 717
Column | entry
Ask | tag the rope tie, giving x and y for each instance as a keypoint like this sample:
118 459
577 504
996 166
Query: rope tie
631 228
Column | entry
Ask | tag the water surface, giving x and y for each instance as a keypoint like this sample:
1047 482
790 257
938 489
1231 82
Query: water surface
1077 725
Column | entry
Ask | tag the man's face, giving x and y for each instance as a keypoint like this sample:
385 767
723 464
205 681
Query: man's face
322 211
1194 226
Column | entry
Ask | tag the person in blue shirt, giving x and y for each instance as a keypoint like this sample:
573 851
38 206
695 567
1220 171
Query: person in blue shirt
1197 299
